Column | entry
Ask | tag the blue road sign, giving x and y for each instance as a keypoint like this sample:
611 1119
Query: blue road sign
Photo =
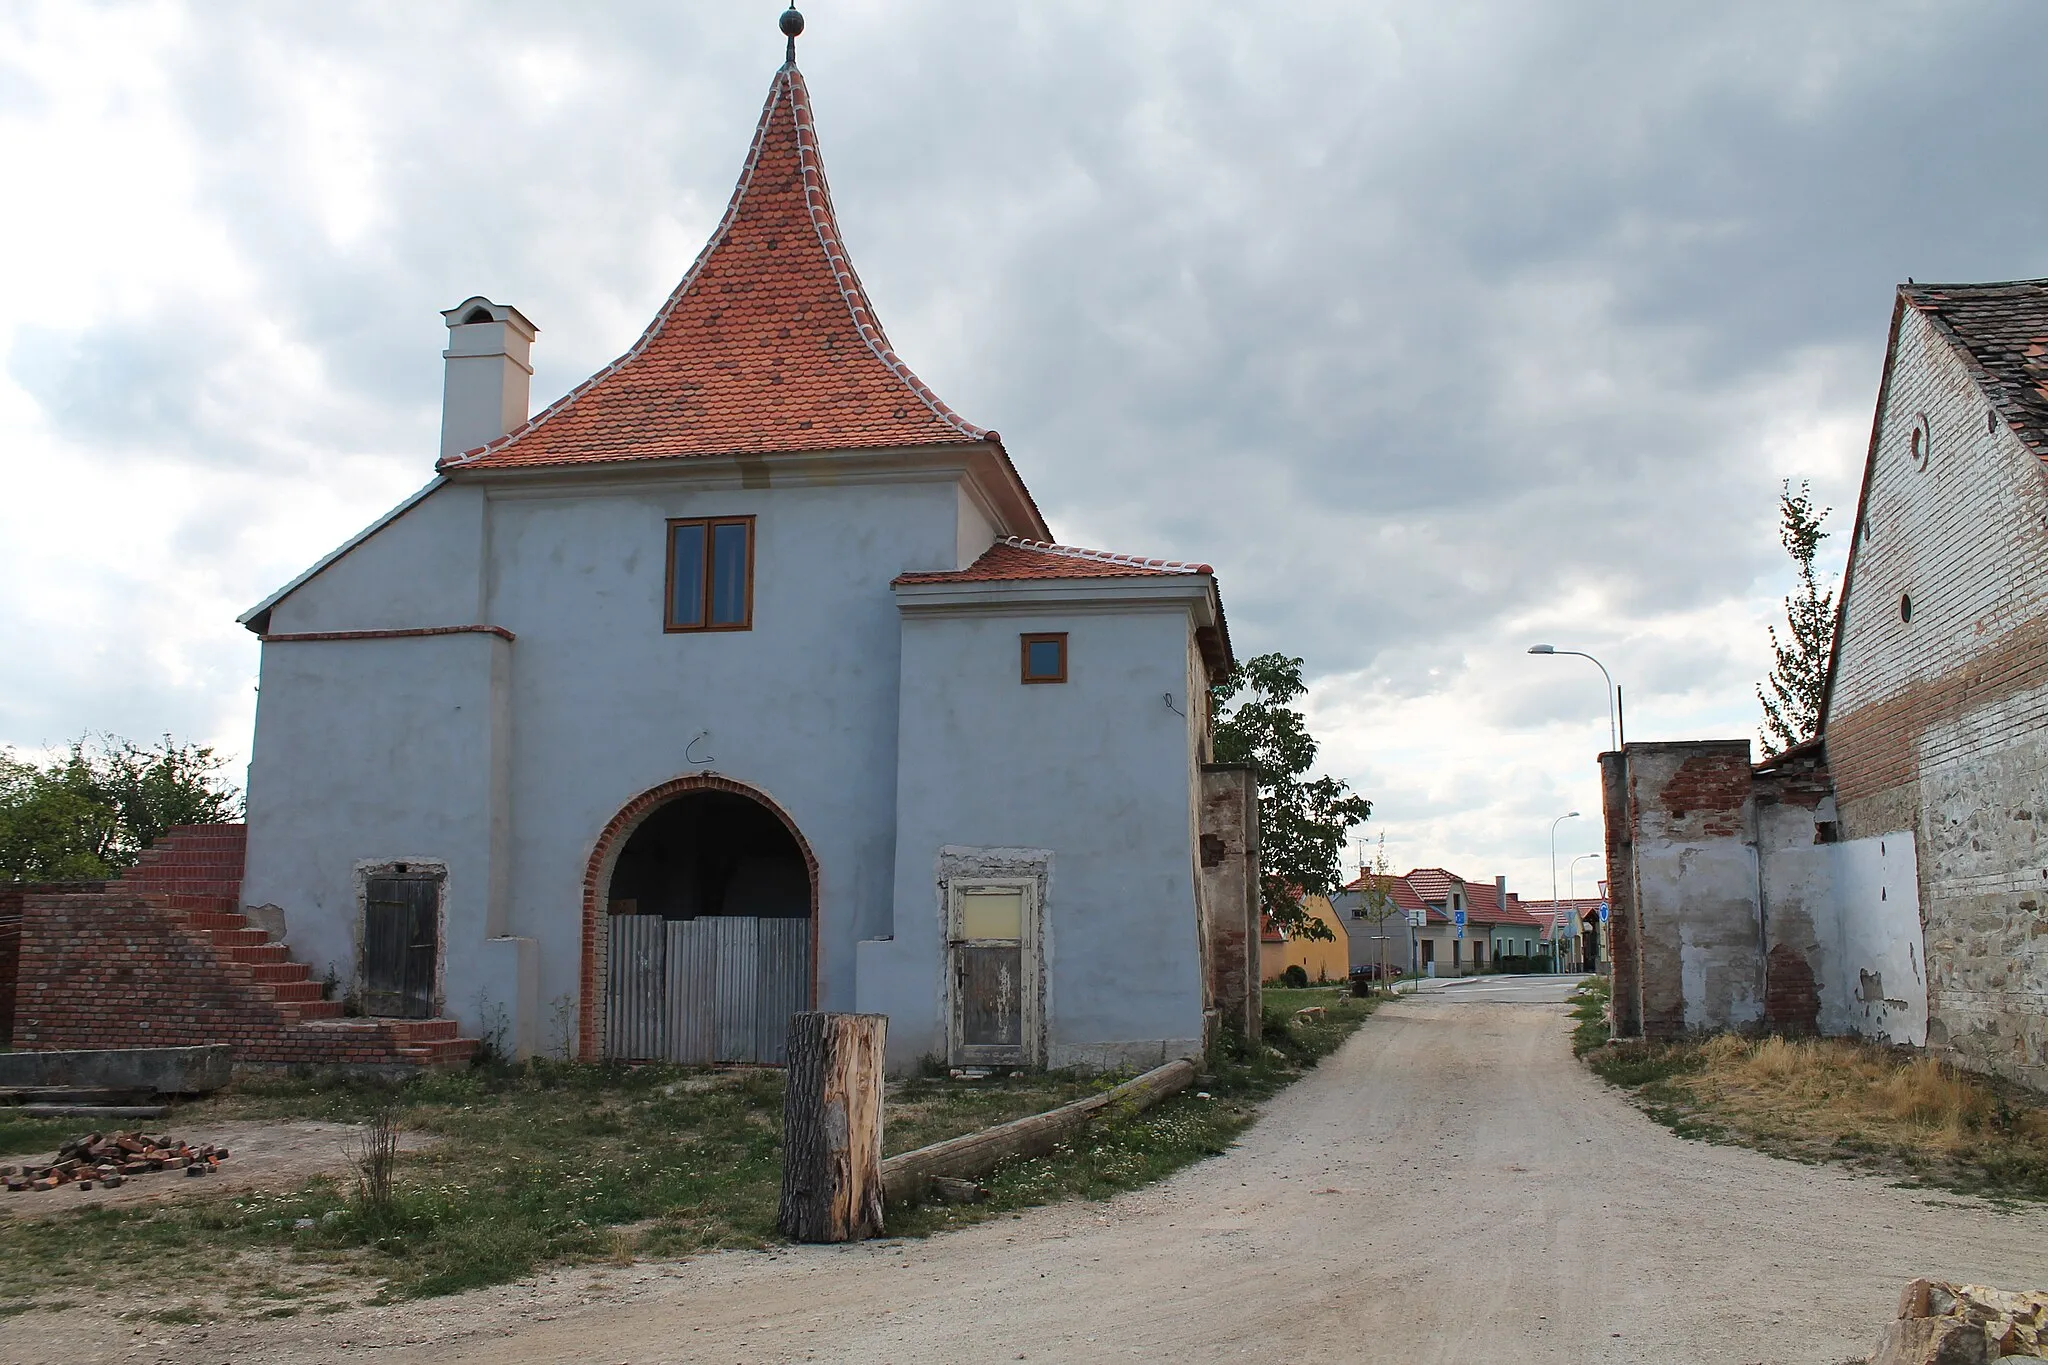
1603 912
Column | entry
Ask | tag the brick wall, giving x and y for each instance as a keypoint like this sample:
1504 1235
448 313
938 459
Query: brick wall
11 896
113 968
1939 725
1229 846
1623 948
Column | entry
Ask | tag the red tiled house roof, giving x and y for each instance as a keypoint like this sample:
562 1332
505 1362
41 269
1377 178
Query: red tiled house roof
768 345
1405 895
1012 560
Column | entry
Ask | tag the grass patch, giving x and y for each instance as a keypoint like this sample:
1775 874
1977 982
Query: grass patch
1124 1151
1886 1110
1589 1011
558 1164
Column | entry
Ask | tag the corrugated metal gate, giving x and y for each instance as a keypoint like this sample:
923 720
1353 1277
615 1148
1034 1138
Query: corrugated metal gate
716 989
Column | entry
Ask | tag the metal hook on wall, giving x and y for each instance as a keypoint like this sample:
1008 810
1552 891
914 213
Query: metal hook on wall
700 737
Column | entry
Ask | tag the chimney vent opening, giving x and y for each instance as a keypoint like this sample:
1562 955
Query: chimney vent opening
478 315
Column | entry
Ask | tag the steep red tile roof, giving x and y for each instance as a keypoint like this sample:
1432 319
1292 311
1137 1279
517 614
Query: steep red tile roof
1011 559
2002 331
768 344
1404 894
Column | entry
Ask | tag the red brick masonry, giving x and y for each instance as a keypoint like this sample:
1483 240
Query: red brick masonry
162 958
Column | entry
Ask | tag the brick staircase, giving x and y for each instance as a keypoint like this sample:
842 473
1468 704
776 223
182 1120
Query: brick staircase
164 956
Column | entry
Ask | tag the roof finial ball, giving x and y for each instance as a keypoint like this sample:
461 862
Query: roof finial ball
791 23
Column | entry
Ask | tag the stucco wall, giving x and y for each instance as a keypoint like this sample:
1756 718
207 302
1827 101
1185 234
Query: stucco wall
423 568
1939 726
359 751
1695 883
374 751
1094 771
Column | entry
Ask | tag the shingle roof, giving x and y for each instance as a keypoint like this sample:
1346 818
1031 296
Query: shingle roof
2002 329
768 344
1011 559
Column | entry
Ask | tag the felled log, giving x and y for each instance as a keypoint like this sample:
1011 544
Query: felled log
832 1128
905 1178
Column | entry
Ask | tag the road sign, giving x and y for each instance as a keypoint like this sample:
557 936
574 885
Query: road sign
1417 918
1603 912
1458 918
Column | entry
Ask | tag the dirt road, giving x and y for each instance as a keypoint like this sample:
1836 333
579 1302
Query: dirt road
1451 1187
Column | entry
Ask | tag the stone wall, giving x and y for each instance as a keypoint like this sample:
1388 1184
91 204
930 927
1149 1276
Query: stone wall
1938 724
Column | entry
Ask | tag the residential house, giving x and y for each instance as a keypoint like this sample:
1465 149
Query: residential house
745 678
1378 941
1320 959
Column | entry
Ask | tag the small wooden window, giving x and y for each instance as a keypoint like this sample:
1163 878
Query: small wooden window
1045 658
710 574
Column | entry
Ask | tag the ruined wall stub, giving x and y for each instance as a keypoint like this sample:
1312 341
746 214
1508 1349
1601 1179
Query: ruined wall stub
1624 940
1695 885
1229 856
1937 724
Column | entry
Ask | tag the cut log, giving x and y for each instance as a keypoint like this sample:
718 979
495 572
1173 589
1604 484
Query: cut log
906 1177
832 1128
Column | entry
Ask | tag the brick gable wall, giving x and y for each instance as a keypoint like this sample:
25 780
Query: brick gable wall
1940 724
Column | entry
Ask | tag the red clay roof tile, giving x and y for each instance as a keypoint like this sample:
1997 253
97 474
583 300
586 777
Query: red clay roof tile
768 344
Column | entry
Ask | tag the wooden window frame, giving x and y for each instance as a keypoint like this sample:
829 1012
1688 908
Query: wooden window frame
669 624
1024 643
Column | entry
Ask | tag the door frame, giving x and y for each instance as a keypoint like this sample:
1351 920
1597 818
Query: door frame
1031 1012
435 869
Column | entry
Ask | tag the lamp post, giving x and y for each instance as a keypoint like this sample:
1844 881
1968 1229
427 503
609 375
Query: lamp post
1573 874
1613 728
1555 946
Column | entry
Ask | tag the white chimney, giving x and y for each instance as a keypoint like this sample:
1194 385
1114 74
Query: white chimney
485 392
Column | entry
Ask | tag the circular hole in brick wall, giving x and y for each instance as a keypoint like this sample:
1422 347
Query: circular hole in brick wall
1905 606
1920 443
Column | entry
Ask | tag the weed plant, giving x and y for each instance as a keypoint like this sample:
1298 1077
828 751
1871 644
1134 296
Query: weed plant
1890 1110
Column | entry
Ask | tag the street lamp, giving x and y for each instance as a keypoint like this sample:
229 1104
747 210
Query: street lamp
1613 728
1554 935
1574 873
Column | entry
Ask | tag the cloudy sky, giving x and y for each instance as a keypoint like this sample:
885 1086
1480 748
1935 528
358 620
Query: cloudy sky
1440 328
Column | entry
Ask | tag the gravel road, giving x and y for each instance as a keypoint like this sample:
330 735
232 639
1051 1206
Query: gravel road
1450 1187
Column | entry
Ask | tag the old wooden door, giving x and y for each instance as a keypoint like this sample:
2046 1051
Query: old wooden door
401 944
992 941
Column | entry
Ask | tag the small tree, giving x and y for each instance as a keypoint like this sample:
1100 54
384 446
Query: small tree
1303 821
88 814
1799 678
1376 900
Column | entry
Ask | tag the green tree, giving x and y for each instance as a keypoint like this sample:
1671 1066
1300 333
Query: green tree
1303 821
1799 678
87 813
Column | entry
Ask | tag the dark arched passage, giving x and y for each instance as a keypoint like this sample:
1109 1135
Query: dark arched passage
700 917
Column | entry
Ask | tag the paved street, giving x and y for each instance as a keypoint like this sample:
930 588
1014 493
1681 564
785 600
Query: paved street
1451 1187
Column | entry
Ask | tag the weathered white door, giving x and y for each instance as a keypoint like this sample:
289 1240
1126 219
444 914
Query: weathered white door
992 973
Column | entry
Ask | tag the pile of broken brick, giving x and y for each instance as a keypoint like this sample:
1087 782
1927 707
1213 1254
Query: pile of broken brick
110 1159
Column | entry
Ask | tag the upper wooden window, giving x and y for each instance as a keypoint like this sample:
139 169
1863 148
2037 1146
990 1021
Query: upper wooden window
710 574
1045 658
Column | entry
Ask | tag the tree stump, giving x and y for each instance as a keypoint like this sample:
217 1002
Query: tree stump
832 1128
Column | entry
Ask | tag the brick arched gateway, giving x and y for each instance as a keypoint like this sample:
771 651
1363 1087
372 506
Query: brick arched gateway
597 875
